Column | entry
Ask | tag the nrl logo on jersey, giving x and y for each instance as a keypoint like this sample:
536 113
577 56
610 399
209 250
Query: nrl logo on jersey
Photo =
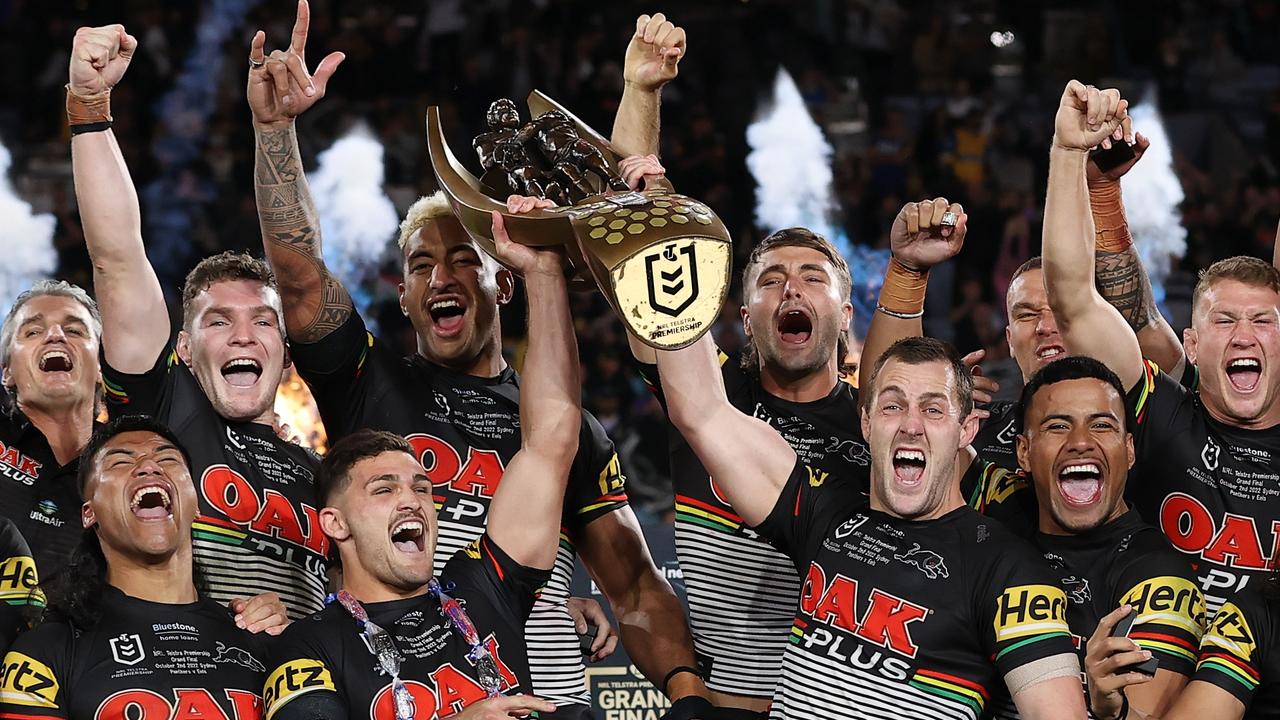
127 649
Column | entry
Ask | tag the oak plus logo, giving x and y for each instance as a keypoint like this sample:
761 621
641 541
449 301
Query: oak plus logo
127 649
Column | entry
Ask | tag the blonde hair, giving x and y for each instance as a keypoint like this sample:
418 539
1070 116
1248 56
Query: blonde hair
426 209
1251 271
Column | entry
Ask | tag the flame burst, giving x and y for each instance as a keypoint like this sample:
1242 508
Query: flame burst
297 409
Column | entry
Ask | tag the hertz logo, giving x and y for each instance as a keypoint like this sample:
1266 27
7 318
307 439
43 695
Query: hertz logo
1168 600
1030 610
1230 632
294 678
27 681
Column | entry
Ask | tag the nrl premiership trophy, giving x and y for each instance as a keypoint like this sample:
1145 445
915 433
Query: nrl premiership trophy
661 258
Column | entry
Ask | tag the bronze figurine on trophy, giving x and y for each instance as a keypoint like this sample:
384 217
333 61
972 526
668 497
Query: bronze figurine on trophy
661 258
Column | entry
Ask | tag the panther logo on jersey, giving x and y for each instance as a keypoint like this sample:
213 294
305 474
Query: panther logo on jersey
1077 589
926 561
236 656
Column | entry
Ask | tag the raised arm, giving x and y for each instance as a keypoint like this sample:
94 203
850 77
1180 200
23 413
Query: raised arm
1089 325
280 89
918 240
135 322
524 517
652 60
747 458
1121 278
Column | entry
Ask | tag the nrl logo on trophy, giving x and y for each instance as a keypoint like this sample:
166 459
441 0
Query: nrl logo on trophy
662 259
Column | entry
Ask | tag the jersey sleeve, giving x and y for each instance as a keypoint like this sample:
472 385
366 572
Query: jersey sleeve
34 682
1232 649
1001 494
485 566
1156 403
1171 610
19 582
802 515
1024 610
339 371
300 667
149 393
596 486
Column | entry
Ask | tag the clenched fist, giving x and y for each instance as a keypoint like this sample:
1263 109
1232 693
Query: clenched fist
99 57
654 53
1088 117
919 239
280 88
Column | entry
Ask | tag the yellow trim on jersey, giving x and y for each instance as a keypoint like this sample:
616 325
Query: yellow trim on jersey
27 681
293 679
1231 633
1030 610
1168 600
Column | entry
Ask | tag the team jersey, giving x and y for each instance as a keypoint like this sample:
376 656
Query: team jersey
465 430
40 496
144 660
1210 487
741 591
326 653
258 527
1128 561
19 583
928 615
1240 651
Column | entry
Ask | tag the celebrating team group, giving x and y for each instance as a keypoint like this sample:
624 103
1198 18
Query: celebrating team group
878 541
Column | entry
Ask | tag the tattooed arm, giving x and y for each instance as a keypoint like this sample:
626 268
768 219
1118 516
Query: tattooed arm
1120 277
280 88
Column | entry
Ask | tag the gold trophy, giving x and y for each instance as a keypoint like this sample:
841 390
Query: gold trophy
662 259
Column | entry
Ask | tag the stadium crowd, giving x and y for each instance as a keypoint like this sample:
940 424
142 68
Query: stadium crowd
896 536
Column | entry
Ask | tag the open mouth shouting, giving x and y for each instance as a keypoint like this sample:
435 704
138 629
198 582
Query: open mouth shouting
242 372
908 466
1244 374
1049 353
152 502
408 534
1081 482
56 361
447 314
795 327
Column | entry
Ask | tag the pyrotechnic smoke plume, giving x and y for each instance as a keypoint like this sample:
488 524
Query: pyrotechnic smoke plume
27 240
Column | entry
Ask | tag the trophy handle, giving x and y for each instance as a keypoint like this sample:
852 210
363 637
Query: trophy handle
472 206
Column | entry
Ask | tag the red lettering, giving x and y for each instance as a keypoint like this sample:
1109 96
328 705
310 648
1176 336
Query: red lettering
10 457
246 705
1186 523
456 690
317 541
384 705
508 678
1236 545
481 474
30 467
814 583
277 515
438 458
228 491
196 705
444 466
839 604
886 622
133 704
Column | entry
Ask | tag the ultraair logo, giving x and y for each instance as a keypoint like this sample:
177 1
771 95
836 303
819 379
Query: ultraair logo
673 285
46 511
